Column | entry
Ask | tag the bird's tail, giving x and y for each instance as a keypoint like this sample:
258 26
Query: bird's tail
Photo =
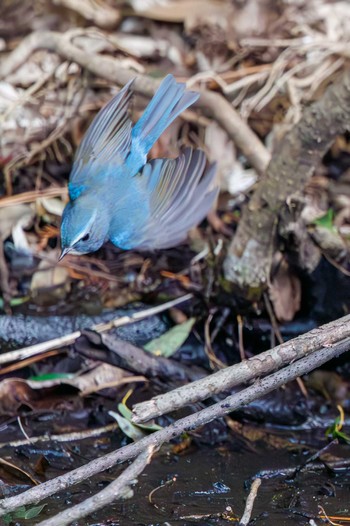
169 101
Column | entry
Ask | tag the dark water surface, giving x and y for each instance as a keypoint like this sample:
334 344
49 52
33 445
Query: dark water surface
204 482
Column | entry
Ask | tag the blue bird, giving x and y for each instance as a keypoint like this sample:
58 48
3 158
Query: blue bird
116 195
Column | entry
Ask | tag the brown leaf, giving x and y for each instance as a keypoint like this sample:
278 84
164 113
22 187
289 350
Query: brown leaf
285 292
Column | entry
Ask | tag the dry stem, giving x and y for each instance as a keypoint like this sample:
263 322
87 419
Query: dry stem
250 502
68 339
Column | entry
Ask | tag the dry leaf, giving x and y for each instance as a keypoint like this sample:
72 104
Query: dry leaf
12 216
285 292
50 276
232 177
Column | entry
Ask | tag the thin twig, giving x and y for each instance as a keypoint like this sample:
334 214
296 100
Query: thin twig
250 502
312 466
118 489
64 437
189 423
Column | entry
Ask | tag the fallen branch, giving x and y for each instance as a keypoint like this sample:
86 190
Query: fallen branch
260 365
118 489
248 260
63 437
111 69
110 349
189 423
68 339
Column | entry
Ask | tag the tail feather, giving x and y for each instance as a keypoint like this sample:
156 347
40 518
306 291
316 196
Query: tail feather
170 100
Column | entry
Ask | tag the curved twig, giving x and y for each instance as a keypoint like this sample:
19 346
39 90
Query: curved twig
110 68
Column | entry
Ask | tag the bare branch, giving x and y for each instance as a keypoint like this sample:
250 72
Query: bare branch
260 365
67 339
250 502
249 258
118 489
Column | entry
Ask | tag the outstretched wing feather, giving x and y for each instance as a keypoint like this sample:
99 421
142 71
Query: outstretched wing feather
180 198
107 141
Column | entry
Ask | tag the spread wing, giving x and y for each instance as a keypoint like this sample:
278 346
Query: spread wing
106 142
180 197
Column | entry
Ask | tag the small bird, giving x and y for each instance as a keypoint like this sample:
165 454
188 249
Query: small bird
117 195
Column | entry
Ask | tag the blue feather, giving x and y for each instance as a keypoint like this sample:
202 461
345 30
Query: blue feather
116 194
170 100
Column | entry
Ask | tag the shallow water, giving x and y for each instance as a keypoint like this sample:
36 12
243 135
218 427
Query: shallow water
204 482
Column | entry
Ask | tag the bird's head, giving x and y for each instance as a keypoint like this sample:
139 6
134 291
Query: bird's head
84 226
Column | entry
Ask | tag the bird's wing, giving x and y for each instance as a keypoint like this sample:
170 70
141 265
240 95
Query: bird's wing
180 197
106 142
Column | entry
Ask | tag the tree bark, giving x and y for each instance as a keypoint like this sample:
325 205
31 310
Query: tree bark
249 257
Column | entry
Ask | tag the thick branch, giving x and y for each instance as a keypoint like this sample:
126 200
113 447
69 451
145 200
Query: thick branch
120 353
292 165
245 371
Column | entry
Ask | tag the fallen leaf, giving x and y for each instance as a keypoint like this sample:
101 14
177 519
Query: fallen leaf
285 292
126 413
167 344
129 429
231 175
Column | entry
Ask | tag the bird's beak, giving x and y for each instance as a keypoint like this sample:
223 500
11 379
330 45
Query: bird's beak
64 253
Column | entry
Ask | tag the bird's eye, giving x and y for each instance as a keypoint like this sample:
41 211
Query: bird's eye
86 237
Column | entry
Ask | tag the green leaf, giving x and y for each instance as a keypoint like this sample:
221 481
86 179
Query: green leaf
125 411
335 432
51 376
129 429
18 513
33 512
23 513
342 436
326 221
14 302
167 344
